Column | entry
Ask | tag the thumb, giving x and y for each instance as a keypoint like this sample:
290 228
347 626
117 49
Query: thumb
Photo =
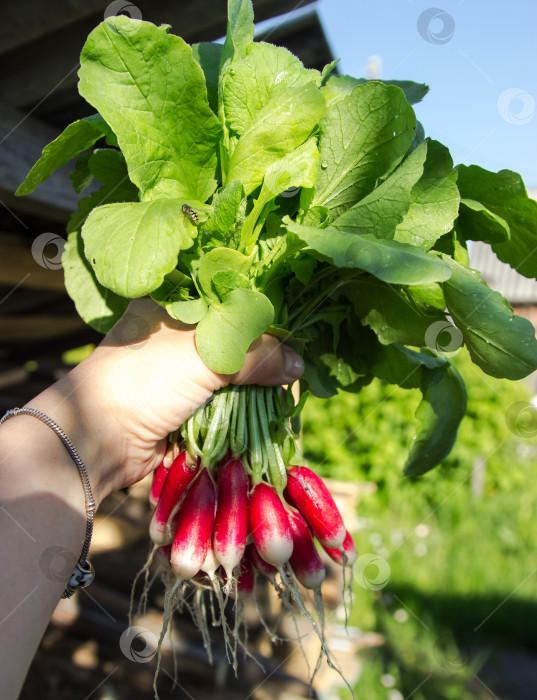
269 363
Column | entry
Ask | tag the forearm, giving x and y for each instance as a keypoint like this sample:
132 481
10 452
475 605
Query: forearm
42 515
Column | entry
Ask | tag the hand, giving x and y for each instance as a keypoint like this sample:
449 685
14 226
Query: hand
142 382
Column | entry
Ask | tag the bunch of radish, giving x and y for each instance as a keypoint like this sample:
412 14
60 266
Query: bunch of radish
216 522
224 512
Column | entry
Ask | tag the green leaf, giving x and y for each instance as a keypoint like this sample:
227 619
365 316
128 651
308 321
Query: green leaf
504 194
414 92
97 306
380 212
208 54
190 311
228 214
389 261
108 166
440 412
132 246
240 29
224 335
391 312
81 177
478 223
77 137
118 187
281 126
362 137
500 342
220 260
298 169
434 200
151 90
317 380
265 71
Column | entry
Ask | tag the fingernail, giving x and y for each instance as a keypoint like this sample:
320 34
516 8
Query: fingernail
294 364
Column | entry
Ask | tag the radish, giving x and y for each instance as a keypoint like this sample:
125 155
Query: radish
309 494
259 563
347 549
246 579
177 479
163 556
193 534
159 477
231 523
269 525
305 560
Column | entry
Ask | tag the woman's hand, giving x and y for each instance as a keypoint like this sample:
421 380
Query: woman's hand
140 384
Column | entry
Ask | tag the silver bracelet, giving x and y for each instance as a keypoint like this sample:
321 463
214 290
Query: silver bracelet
84 573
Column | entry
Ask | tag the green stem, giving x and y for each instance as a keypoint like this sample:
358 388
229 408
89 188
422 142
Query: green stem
212 439
273 466
256 454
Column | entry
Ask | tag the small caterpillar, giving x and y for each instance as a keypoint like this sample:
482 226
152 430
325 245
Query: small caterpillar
190 214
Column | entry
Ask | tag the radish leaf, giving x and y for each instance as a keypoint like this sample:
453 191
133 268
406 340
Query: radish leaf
150 89
97 305
224 335
131 246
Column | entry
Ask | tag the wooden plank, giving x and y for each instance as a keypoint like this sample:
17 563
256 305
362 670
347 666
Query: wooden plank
19 267
22 139
37 327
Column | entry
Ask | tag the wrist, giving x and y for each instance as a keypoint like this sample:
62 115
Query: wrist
72 404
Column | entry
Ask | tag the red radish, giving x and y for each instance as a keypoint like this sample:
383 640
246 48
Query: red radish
308 493
193 534
259 563
305 560
178 478
348 547
163 556
246 580
211 563
269 525
231 523
159 477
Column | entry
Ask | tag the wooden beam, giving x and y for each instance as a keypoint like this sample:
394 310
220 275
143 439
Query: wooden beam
37 328
22 139
20 267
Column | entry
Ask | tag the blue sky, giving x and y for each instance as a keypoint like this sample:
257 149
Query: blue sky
483 77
